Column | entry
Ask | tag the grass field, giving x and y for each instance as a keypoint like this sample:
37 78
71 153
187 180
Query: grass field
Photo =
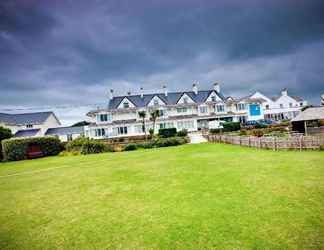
206 196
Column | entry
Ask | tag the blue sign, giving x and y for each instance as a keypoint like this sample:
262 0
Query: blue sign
255 109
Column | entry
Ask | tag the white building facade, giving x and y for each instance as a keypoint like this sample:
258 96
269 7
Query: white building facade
191 110
283 107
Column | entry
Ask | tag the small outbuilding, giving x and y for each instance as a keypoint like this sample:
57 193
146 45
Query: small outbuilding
65 133
310 121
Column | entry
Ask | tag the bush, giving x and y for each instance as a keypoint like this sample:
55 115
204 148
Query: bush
151 131
16 149
5 133
231 126
130 147
214 130
257 132
260 125
182 133
175 141
163 142
167 132
94 147
76 144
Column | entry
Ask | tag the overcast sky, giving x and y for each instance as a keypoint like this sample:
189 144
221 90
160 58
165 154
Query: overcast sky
70 53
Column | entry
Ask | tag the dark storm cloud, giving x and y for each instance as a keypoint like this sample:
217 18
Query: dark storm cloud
72 52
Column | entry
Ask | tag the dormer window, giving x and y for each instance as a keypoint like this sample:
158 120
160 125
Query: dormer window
213 98
281 105
267 106
126 105
290 105
29 125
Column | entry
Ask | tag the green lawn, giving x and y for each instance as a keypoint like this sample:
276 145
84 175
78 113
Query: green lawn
207 196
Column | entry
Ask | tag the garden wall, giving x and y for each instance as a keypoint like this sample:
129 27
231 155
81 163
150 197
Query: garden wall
274 143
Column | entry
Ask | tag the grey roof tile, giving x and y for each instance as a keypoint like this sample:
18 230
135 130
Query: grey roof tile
65 130
170 99
26 118
27 132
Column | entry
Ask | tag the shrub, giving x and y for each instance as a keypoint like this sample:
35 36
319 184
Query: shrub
94 147
130 147
76 144
16 149
182 133
163 142
175 141
167 132
214 130
260 125
257 132
231 126
151 131
5 133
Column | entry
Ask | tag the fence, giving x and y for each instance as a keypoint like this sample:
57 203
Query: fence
274 143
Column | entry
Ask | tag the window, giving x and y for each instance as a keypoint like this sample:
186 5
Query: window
156 102
290 105
203 109
126 105
162 112
100 132
240 106
122 130
181 110
166 125
220 108
267 106
185 125
139 129
185 100
301 104
29 125
281 105
213 98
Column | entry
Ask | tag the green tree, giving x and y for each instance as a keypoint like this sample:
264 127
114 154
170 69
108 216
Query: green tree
142 115
5 133
154 115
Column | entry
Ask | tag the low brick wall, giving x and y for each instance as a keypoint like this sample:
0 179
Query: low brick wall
274 143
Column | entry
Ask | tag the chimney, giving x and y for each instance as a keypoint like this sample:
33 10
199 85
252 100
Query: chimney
284 92
142 92
165 89
128 92
111 94
216 87
195 88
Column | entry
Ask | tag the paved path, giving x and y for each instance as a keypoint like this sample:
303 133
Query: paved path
196 138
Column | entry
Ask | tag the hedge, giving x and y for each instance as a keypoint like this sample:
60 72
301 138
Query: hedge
231 126
5 133
167 132
182 133
163 142
16 149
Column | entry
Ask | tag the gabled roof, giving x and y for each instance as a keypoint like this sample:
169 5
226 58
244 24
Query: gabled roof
65 130
26 118
170 99
27 132
311 113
